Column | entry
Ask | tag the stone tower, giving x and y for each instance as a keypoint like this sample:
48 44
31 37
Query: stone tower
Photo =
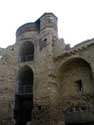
54 82
36 92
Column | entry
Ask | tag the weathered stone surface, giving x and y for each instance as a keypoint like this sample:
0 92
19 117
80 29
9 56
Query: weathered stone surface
63 77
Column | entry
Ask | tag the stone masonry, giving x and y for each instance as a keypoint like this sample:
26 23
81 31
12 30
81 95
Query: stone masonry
43 80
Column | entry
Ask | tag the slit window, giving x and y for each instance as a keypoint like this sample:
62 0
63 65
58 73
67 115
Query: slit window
79 85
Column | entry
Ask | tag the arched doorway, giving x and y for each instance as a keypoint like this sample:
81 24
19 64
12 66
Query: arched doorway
24 96
26 52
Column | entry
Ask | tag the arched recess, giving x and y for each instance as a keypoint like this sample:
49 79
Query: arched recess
75 78
24 96
25 81
26 52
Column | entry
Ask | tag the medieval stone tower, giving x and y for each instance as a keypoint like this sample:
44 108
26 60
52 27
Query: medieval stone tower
53 83
35 77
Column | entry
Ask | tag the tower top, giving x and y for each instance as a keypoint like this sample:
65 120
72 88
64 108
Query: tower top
45 21
48 20
48 14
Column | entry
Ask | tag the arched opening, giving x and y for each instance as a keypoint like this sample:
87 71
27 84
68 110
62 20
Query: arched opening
76 78
24 96
26 52
25 81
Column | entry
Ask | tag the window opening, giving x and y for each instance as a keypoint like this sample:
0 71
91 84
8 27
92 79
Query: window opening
26 52
43 43
79 85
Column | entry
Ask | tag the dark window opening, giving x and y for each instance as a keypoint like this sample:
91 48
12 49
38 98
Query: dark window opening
26 52
42 43
79 85
77 108
25 81
39 107
83 108
45 39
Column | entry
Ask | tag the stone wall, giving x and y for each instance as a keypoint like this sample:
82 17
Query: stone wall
7 84
63 76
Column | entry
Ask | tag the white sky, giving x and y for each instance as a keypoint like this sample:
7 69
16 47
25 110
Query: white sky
75 18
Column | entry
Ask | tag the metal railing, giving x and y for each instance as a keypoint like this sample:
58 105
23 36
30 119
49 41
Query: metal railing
24 90
26 58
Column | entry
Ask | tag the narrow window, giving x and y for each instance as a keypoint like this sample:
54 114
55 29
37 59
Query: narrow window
79 85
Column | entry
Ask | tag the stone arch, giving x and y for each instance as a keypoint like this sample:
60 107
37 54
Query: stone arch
75 77
26 52
25 80
24 96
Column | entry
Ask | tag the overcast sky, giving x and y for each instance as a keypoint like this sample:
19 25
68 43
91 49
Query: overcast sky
75 18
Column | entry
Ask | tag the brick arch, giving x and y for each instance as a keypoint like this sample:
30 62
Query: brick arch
26 51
